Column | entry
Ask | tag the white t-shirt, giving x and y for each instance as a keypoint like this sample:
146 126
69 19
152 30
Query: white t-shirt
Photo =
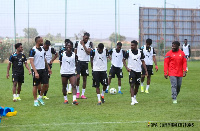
100 60
117 58
68 64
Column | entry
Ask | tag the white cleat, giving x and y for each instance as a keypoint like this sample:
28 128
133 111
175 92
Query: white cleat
132 103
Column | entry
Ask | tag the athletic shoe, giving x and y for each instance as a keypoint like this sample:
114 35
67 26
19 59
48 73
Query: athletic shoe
41 101
102 99
45 97
18 98
146 91
75 102
135 101
77 95
142 88
69 92
120 92
174 101
66 102
99 103
106 91
36 104
132 103
14 99
83 97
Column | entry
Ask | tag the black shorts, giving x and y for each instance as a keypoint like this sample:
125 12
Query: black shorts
50 66
82 68
43 77
99 76
67 75
149 69
115 70
18 77
134 77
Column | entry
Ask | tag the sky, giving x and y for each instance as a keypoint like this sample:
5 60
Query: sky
94 16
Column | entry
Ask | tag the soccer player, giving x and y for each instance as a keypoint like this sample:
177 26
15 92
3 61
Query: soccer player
150 57
135 59
99 66
186 49
38 65
17 60
175 64
49 51
67 71
68 87
117 55
83 49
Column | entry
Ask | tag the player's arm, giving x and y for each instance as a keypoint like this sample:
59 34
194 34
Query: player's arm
75 48
166 65
31 58
110 54
8 69
47 67
184 65
87 50
154 60
189 51
92 53
53 51
124 60
26 65
143 63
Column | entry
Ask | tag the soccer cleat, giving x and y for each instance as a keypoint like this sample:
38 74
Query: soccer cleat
77 95
75 102
66 102
99 103
41 101
69 92
83 97
142 88
146 91
36 104
174 101
18 98
106 91
45 97
102 99
14 99
120 92
135 101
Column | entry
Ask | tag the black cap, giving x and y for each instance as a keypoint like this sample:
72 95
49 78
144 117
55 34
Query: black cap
47 42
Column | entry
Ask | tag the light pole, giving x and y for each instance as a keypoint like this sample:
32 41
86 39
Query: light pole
164 25
65 19
139 23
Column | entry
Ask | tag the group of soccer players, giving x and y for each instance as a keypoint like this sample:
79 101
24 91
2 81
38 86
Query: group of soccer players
74 62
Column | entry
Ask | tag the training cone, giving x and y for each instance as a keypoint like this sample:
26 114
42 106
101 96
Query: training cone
11 113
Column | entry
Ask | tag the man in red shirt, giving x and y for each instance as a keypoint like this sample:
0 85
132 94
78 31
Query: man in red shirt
175 64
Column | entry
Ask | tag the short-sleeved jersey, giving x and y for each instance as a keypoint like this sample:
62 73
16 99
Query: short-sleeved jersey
149 52
134 59
81 53
49 53
39 57
68 63
117 57
99 60
17 61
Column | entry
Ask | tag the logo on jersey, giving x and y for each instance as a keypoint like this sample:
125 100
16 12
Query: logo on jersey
180 55
68 62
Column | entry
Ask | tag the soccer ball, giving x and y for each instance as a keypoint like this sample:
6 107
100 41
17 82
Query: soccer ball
113 91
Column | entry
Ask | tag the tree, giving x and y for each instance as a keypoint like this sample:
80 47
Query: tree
79 36
120 37
49 37
5 50
32 33
58 36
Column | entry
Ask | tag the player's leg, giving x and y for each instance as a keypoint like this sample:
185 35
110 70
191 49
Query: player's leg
173 81
39 89
109 81
142 79
64 91
135 93
45 92
18 90
96 84
78 69
104 82
84 87
148 83
132 93
119 74
72 80
179 82
111 75
14 91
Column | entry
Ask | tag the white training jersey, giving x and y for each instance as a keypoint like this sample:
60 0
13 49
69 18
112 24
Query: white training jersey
148 55
48 55
117 58
39 57
100 61
68 64
81 53
186 49
134 61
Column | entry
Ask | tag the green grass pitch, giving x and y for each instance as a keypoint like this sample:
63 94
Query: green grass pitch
115 114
